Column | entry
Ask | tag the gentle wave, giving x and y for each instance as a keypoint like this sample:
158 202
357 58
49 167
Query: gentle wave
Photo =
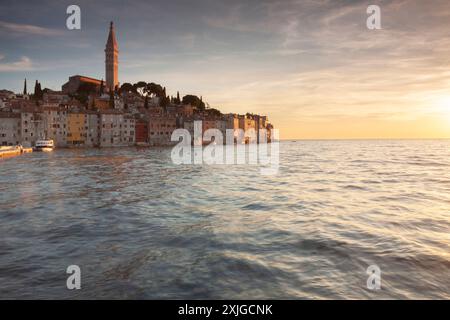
141 227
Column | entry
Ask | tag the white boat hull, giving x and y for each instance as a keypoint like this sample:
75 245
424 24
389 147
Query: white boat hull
44 145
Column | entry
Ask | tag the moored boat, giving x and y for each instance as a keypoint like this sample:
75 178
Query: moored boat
44 145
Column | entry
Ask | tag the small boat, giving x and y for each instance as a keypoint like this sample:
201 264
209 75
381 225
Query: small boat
44 145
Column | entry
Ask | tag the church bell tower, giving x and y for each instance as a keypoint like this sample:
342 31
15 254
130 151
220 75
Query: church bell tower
112 60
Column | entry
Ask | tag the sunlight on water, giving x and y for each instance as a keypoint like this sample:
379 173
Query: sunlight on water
140 227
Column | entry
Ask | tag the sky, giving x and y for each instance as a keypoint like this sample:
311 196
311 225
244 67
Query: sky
312 66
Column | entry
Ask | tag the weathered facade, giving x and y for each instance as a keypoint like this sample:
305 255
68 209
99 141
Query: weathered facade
160 130
55 125
10 132
32 126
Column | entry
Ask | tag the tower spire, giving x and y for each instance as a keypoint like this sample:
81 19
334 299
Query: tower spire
111 59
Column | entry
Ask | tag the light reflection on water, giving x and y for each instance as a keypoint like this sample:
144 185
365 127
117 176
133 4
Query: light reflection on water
140 227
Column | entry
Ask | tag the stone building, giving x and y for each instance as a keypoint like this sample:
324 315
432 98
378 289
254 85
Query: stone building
10 132
92 128
128 130
32 126
55 124
142 133
75 82
76 129
160 130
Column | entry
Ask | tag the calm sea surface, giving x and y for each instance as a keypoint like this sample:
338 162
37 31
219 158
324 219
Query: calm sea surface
140 227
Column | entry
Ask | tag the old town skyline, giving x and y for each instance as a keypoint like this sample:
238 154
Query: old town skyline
89 112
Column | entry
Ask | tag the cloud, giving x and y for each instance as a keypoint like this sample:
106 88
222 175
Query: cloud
29 29
24 64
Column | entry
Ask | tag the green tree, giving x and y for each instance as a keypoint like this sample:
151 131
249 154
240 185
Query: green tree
38 94
194 101
140 87
127 88
154 89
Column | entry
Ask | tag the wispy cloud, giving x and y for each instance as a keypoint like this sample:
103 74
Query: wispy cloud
24 64
29 29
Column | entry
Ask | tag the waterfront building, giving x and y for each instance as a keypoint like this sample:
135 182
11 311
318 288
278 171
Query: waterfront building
32 126
92 128
260 123
232 121
142 133
208 124
247 123
10 132
188 124
221 125
161 129
76 129
128 130
55 124
111 129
